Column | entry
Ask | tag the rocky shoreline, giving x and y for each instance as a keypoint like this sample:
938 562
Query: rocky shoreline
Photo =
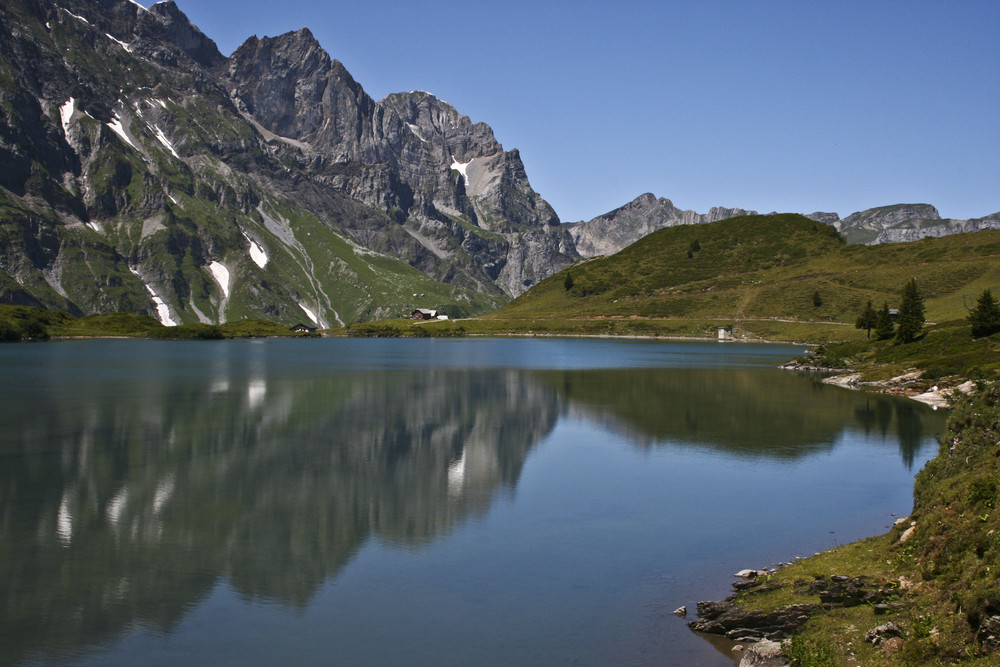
763 635
936 393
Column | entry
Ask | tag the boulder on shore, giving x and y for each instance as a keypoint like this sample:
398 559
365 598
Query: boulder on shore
742 624
764 654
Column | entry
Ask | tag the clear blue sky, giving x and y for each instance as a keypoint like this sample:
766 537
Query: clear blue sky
789 106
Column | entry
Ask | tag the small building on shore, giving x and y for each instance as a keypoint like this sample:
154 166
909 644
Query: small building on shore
424 314
725 333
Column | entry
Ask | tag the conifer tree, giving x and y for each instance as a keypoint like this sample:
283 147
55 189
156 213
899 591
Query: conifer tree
911 313
883 323
867 319
985 317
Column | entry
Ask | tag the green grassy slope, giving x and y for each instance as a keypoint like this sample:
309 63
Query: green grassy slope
763 274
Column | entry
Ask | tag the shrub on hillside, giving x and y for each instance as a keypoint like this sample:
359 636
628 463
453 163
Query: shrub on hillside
985 317
911 313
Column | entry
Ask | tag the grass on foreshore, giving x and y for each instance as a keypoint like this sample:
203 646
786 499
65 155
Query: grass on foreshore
946 349
764 329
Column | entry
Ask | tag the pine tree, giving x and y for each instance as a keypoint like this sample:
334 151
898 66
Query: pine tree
911 313
985 317
568 281
867 319
883 323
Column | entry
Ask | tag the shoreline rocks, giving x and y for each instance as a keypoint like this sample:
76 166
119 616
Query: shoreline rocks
767 629
738 623
764 654
911 384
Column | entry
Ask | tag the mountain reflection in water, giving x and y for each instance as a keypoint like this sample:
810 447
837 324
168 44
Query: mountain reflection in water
130 488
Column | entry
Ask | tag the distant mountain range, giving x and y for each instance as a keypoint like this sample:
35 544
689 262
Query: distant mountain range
613 231
145 172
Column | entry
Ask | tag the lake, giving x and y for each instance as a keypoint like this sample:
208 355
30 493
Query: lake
418 501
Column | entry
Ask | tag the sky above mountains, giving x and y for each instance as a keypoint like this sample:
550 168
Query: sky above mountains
771 106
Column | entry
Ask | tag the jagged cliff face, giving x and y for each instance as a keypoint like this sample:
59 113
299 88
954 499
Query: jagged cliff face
609 233
445 179
145 172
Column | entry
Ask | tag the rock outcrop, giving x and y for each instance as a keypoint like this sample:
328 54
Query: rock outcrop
743 624
739 623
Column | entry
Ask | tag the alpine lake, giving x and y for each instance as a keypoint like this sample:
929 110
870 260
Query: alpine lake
419 501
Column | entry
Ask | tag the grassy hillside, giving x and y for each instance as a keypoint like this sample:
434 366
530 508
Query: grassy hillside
778 276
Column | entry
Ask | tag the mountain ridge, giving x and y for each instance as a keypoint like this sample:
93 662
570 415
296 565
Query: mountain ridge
610 232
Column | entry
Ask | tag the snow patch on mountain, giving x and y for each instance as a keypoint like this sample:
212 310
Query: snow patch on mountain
461 167
119 129
75 16
221 275
310 314
257 253
162 309
66 114
417 133
166 142
119 42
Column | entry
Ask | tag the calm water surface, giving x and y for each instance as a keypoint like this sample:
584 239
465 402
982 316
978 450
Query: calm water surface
418 502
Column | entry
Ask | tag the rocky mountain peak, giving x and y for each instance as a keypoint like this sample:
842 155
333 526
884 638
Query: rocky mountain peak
885 215
161 33
825 218
438 123
291 86
608 233
867 226
180 31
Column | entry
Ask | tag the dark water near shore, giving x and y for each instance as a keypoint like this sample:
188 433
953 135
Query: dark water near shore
418 502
